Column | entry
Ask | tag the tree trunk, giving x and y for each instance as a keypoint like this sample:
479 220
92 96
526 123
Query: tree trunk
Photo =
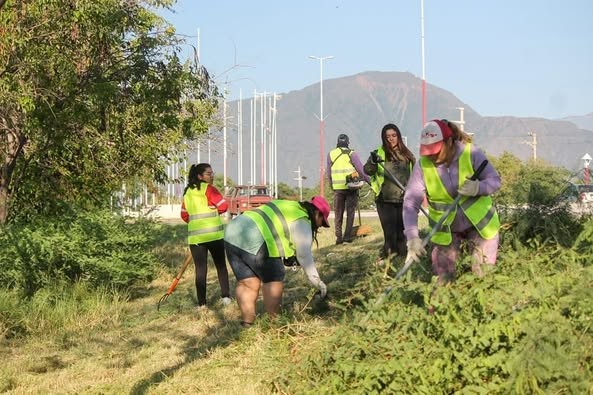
12 143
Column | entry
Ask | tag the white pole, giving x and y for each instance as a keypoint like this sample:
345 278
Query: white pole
261 139
240 138
270 143
321 122
275 134
251 143
224 153
423 64
255 115
299 183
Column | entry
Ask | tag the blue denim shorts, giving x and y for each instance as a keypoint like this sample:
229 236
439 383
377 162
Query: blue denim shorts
246 265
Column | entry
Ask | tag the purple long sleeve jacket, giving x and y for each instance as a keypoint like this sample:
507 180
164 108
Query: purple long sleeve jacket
416 189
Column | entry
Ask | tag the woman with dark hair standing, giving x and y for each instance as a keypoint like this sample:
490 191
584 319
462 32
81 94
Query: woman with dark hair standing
391 159
260 242
201 209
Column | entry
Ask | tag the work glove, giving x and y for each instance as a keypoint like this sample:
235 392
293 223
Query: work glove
415 250
322 289
375 158
469 188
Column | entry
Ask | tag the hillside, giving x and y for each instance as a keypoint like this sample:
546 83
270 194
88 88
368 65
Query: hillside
361 104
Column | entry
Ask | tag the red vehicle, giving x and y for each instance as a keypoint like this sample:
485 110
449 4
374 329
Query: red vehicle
241 198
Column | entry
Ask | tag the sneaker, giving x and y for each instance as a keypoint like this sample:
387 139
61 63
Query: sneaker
226 301
201 308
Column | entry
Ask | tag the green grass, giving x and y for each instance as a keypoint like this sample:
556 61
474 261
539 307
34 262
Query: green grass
79 341
524 328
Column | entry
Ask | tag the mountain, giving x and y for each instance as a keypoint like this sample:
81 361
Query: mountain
361 104
583 122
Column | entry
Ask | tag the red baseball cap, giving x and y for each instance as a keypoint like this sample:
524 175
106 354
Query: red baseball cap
433 135
323 206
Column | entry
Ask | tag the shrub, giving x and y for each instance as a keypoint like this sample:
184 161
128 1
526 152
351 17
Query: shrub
95 247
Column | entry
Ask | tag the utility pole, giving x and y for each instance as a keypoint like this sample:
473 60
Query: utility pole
533 144
423 63
224 142
461 121
321 121
240 138
300 179
586 162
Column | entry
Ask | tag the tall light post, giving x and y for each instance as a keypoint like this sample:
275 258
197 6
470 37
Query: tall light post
321 120
586 162
423 63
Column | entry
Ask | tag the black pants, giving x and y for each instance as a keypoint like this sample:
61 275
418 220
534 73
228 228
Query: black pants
390 215
344 200
199 253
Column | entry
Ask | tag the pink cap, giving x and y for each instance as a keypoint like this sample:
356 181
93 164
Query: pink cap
323 206
432 136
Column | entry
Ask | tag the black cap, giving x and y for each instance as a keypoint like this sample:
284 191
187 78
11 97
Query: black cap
343 140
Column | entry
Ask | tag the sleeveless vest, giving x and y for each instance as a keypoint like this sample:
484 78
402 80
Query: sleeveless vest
204 222
273 220
478 209
341 167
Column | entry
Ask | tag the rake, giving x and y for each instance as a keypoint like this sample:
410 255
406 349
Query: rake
188 259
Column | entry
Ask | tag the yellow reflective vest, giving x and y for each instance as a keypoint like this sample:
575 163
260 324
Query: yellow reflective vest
478 209
273 220
341 167
204 222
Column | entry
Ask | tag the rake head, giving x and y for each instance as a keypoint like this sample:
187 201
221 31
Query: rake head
161 300
363 230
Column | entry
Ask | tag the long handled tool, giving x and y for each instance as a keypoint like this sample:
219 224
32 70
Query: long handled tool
188 259
390 175
438 225
361 230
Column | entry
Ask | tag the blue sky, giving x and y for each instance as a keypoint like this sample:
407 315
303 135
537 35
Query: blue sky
525 58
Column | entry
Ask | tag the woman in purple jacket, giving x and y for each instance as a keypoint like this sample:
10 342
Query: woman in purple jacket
448 159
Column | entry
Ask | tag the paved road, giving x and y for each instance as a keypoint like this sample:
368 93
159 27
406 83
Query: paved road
171 212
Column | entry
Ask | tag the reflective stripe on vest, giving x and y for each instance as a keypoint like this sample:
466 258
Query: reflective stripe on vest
273 220
341 167
478 209
204 222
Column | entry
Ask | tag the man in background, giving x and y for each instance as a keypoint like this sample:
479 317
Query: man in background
346 176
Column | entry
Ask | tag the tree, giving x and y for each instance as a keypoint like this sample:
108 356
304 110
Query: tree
92 93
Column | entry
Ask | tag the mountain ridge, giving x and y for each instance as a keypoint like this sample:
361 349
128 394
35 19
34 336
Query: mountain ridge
359 105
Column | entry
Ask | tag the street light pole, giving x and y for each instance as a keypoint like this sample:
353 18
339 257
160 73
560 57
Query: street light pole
321 120
586 161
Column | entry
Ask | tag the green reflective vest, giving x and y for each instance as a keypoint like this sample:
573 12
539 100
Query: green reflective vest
478 209
273 220
204 222
378 178
341 167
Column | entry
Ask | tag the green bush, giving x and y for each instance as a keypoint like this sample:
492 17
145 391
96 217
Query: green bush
94 247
